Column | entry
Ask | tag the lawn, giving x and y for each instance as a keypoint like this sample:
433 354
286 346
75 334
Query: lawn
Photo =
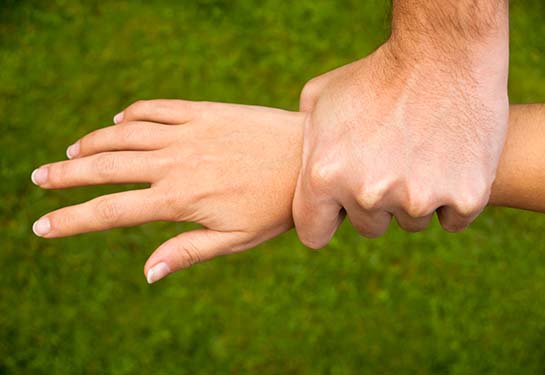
426 303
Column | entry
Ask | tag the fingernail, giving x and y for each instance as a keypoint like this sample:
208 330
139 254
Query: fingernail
39 176
118 118
41 227
73 150
157 272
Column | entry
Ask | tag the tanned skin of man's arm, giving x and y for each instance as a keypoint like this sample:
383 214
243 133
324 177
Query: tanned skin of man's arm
450 31
520 180
450 22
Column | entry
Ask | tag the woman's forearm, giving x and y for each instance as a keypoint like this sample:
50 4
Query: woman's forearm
520 181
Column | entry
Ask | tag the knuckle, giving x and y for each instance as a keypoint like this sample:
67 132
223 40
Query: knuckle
470 204
188 254
107 210
472 199
104 165
370 197
418 205
322 174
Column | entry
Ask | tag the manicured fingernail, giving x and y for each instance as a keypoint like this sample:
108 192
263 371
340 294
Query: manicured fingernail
157 272
41 227
73 150
39 176
118 118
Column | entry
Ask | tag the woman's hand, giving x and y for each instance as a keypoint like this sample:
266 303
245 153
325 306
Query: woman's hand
230 168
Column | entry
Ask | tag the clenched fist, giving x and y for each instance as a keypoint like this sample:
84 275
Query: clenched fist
404 132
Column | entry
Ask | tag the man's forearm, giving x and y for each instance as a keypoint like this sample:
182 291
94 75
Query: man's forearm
448 27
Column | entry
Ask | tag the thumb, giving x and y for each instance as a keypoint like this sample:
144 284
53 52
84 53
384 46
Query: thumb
190 248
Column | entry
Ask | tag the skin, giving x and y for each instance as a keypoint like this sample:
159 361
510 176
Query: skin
232 169
416 127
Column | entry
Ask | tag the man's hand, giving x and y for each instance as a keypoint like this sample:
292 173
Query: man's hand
417 126
231 168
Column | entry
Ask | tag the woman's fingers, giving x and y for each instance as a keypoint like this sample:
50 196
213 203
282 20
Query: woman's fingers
105 168
192 247
128 208
166 111
137 136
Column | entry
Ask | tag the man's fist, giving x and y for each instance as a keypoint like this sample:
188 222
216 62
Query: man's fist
392 135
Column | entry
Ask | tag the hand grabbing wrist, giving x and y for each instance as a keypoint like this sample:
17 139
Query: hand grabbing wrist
415 127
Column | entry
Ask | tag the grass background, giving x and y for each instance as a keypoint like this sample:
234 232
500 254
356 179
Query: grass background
427 303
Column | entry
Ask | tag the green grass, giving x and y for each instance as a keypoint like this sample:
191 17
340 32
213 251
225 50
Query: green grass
427 303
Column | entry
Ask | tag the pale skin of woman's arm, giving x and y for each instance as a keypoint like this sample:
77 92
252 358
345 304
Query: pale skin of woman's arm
232 169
